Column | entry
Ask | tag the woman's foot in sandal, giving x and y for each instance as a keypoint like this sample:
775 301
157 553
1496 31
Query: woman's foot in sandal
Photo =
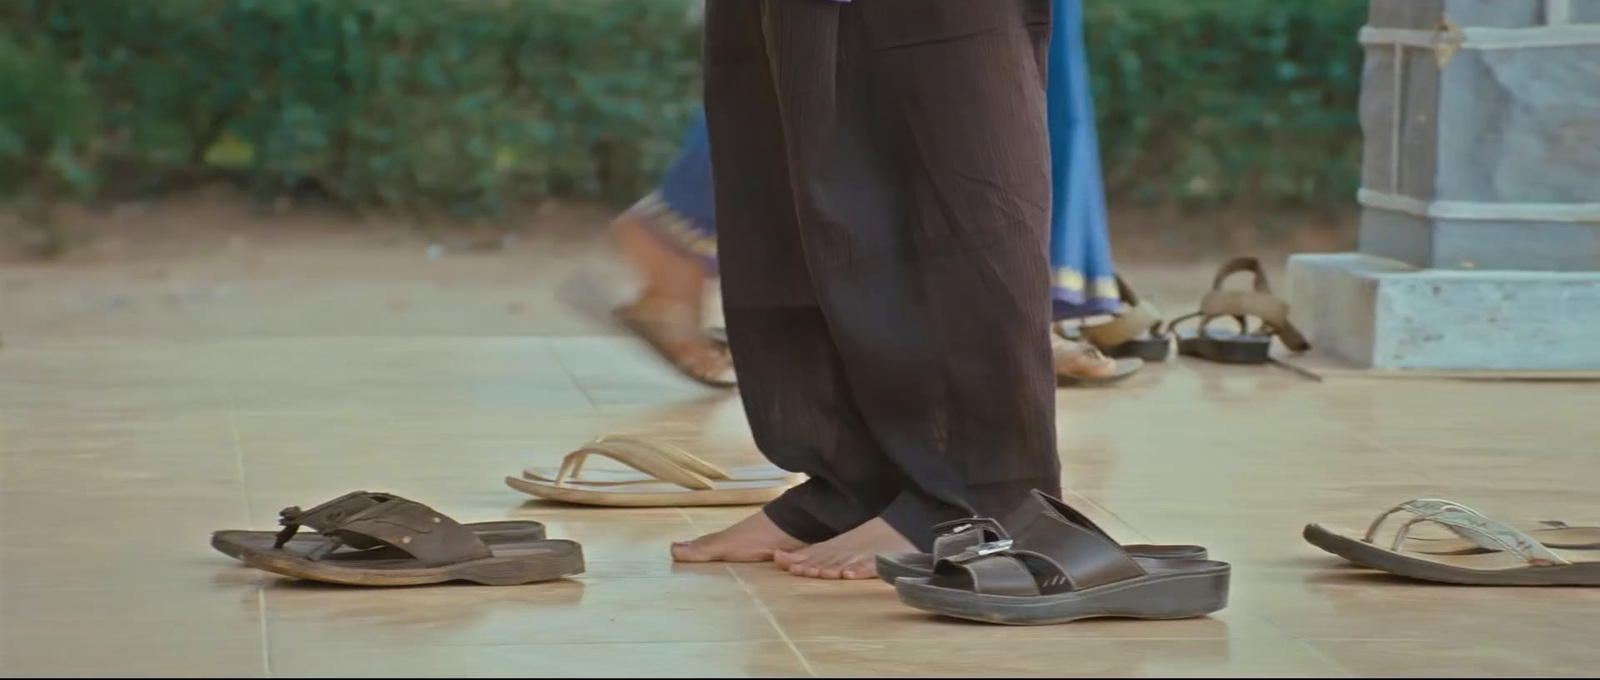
851 555
754 539
1078 362
668 313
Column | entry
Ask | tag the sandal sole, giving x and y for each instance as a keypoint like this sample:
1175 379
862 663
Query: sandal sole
492 571
1195 590
1373 557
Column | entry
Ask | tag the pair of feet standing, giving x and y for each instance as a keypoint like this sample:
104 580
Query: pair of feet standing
850 555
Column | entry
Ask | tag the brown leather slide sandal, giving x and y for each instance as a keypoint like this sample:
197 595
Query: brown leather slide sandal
234 543
951 538
1509 557
432 548
682 458
1067 573
1244 346
1133 333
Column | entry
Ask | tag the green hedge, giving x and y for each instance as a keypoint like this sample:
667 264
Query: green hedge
469 106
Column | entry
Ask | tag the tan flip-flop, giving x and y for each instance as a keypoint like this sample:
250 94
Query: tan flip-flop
236 543
588 477
427 547
675 481
1066 351
1508 556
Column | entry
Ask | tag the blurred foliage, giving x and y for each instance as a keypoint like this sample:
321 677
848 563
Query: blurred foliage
1227 101
464 107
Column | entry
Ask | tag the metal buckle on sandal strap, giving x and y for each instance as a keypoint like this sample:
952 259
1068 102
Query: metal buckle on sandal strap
981 550
961 525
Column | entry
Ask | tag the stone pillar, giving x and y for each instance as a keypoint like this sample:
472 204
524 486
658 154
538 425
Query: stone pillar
1480 226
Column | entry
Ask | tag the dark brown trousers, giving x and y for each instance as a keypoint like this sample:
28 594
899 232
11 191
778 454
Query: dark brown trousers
883 198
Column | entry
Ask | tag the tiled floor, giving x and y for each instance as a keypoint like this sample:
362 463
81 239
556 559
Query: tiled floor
117 459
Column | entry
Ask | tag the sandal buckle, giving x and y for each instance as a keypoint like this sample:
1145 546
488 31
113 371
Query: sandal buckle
981 550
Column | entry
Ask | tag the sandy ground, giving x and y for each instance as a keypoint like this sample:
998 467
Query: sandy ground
216 267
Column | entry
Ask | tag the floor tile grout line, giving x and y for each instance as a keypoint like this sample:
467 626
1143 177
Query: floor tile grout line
249 514
567 371
766 612
772 620
266 643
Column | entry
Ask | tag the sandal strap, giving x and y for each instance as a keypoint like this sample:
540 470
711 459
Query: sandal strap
1470 525
1136 318
676 454
951 538
1056 553
328 514
432 538
1240 265
647 459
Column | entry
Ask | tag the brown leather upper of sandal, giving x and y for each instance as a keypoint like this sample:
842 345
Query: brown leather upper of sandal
1061 556
330 514
426 534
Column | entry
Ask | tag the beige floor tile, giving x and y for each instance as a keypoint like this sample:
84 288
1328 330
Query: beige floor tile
590 660
117 458
197 629
1477 658
1095 658
688 607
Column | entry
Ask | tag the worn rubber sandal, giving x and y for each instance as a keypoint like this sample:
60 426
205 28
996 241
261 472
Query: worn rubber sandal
1246 345
234 543
951 538
1067 573
599 478
1135 332
431 547
1509 557
1550 533
674 484
1066 351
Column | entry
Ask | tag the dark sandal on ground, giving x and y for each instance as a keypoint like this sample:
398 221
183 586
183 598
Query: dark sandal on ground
428 548
1134 333
235 543
1066 572
1507 556
951 538
713 370
1246 345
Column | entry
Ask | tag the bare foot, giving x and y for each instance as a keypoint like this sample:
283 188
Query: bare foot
753 539
850 555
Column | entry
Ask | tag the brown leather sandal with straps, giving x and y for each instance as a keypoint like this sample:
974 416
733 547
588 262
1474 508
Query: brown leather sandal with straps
235 543
951 538
428 547
1055 570
1244 346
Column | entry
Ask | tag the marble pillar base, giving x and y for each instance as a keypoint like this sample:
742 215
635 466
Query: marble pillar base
1376 313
